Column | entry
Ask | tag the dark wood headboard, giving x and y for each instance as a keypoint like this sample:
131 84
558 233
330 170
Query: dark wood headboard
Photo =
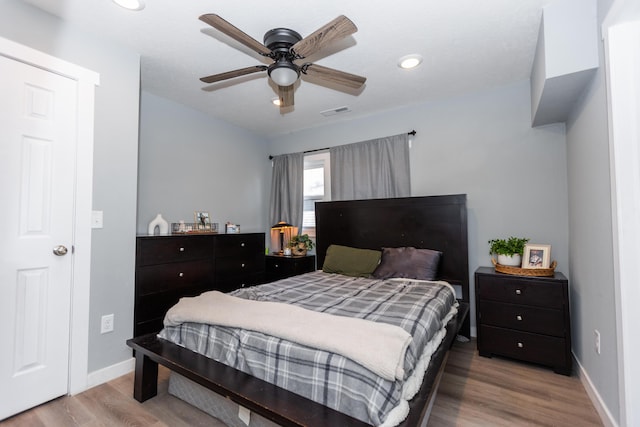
432 222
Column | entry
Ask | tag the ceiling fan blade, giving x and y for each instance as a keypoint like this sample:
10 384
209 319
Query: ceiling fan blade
238 35
285 93
235 73
334 76
337 29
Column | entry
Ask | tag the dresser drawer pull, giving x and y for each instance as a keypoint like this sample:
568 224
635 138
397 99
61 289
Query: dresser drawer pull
518 292
242 265
518 317
181 249
180 274
242 244
276 266
520 345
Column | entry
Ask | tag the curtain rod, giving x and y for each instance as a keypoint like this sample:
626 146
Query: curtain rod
413 132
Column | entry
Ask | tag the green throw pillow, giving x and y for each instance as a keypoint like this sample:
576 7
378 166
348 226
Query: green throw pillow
351 261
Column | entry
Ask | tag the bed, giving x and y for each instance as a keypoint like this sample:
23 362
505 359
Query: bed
436 223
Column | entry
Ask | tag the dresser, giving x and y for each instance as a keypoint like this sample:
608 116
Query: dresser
524 318
280 267
170 267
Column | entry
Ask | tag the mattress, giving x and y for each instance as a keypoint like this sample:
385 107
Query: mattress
421 308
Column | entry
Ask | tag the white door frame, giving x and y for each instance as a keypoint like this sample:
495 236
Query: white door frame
81 268
621 33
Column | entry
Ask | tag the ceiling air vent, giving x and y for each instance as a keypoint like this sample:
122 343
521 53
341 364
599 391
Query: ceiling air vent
335 111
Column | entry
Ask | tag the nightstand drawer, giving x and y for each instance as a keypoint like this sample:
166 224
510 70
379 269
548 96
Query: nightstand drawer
160 250
164 277
524 346
522 318
281 267
521 291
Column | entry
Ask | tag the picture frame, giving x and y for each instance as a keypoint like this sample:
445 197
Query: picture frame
202 220
230 228
536 256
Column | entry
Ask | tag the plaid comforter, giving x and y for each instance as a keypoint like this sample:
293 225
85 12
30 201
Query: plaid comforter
420 308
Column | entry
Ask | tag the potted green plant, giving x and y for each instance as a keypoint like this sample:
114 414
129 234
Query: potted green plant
300 244
509 251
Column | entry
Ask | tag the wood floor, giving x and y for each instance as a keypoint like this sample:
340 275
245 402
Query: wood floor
475 391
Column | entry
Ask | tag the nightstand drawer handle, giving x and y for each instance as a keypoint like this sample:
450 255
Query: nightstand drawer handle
520 345
276 266
242 265
242 244
518 317
518 292
181 274
181 249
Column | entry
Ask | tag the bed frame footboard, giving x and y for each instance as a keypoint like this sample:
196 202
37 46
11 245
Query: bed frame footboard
272 402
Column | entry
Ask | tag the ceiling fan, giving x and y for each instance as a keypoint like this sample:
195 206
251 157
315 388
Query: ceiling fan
288 49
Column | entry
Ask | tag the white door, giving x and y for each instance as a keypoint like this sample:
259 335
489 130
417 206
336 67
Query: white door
37 157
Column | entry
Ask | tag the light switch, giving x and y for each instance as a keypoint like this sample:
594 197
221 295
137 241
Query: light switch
96 219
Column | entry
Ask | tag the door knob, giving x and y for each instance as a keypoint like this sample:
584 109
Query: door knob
60 250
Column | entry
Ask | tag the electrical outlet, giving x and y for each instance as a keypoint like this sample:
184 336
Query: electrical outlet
107 324
596 334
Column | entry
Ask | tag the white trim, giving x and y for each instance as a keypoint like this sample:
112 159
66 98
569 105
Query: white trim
109 373
623 65
605 415
81 270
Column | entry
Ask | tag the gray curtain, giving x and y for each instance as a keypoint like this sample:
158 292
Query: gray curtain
378 168
287 192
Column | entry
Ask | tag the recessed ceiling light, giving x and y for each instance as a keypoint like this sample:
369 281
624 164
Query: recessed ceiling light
410 61
130 4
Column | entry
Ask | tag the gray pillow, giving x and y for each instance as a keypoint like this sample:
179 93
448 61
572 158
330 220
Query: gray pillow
408 262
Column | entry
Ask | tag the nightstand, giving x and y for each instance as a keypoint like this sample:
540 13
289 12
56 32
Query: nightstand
525 318
280 267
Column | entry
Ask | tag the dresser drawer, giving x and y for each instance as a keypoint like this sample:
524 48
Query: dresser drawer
160 250
521 291
526 346
238 245
150 309
523 318
238 266
164 277
231 283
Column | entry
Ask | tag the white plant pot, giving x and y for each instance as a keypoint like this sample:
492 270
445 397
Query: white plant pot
511 260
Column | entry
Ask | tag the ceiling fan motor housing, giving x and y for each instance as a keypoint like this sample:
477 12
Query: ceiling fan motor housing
281 39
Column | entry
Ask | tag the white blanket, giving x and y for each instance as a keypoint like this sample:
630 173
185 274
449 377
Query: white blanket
379 347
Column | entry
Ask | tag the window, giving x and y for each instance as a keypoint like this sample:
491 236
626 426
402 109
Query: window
317 187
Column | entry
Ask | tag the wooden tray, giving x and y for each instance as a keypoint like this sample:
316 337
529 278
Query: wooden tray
538 272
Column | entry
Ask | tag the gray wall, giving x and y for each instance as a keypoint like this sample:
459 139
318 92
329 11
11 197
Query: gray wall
190 161
590 242
482 145
115 165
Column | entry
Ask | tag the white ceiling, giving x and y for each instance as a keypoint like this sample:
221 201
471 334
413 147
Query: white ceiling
467 45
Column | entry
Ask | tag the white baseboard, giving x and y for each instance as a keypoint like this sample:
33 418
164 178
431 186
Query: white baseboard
109 373
605 415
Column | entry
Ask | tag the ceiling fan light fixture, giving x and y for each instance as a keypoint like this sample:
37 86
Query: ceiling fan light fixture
130 4
276 102
409 62
283 73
